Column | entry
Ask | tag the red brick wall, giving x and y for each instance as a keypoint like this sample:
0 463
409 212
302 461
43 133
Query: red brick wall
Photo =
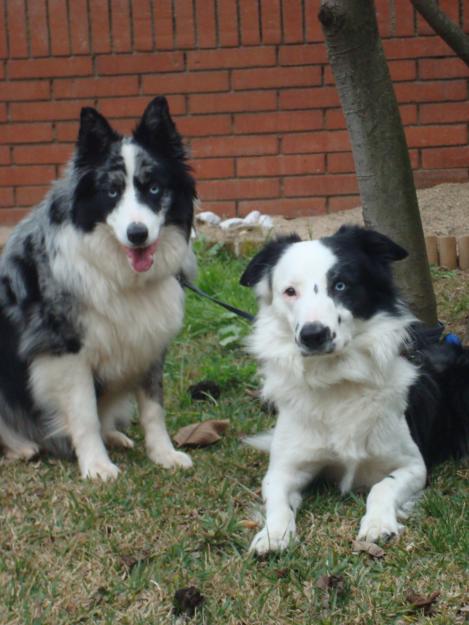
248 83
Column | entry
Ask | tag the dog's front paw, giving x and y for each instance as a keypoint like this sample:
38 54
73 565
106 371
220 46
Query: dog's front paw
378 526
26 451
169 458
102 469
265 541
118 440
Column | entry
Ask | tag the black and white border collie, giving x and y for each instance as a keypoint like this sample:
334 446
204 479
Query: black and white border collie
331 337
90 300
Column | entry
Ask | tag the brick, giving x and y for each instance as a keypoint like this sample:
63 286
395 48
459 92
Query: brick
233 102
100 26
276 77
238 189
224 209
383 17
4 155
234 146
29 196
280 165
250 23
3 36
312 23
422 136
340 184
25 90
140 63
120 26
292 21
11 216
442 68
428 91
451 9
231 58
311 54
282 121
164 27
430 177
404 19
3 112
25 133
95 87
46 111
445 158
418 47
79 38
271 23
33 174
16 29
228 22
213 168
134 107
58 27
38 28
50 154
50 68
142 20
183 82
327 141
402 70
6 198
342 203
323 97
185 31
288 207
444 112
206 25
342 162
204 125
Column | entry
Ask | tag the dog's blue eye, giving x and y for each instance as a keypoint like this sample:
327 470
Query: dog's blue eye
112 193
154 189
340 286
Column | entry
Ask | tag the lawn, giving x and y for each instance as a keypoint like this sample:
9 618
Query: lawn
81 552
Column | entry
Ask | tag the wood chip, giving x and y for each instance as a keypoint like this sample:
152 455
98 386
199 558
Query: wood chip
249 524
372 549
424 602
201 434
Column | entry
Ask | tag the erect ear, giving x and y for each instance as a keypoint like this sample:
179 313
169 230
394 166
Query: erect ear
157 132
374 244
258 271
94 137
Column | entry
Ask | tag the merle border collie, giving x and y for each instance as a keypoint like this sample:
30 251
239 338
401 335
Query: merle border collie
332 337
90 300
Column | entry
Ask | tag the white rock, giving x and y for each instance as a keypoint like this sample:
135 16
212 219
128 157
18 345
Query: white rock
208 217
231 224
266 222
252 218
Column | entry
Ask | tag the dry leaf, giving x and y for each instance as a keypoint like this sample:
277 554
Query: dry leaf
249 524
372 549
201 434
422 601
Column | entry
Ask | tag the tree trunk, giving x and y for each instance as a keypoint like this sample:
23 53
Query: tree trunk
443 26
378 142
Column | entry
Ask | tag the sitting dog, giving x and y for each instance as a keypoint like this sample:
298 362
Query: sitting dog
332 338
89 296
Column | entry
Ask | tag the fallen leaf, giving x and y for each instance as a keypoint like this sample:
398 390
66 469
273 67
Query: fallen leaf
201 434
249 524
422 601
328 582
186 601
372 549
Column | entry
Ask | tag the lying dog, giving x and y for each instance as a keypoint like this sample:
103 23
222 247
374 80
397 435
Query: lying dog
89 296
331 336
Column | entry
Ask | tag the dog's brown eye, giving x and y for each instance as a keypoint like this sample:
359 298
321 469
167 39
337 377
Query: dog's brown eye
290 292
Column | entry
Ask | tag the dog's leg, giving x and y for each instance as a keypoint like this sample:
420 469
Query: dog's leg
388 497
150 402
114 411
16 446
281 490
65 386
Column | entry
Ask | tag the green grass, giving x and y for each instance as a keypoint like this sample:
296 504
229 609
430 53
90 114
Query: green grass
80 552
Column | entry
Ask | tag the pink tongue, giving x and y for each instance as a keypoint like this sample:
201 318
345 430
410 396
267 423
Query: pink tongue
141 258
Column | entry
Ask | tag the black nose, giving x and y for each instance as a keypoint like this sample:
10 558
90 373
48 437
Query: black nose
315 336
137 233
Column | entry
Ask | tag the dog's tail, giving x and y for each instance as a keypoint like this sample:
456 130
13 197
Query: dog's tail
438 413
261 441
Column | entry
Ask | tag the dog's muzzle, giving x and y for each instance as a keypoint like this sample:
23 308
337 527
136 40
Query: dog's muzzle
315 338
137 233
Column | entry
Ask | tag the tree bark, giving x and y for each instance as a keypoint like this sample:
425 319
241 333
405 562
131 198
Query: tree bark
378 142
443 26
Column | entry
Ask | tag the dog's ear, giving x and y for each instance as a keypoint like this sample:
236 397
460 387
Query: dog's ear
257 273
157 132
94 137
374 244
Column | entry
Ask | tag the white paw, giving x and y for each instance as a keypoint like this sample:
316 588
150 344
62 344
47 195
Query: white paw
118 440
265 541
102 469
25 451
169 458
374 527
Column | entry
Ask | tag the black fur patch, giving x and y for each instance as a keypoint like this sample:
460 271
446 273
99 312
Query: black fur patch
266 259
